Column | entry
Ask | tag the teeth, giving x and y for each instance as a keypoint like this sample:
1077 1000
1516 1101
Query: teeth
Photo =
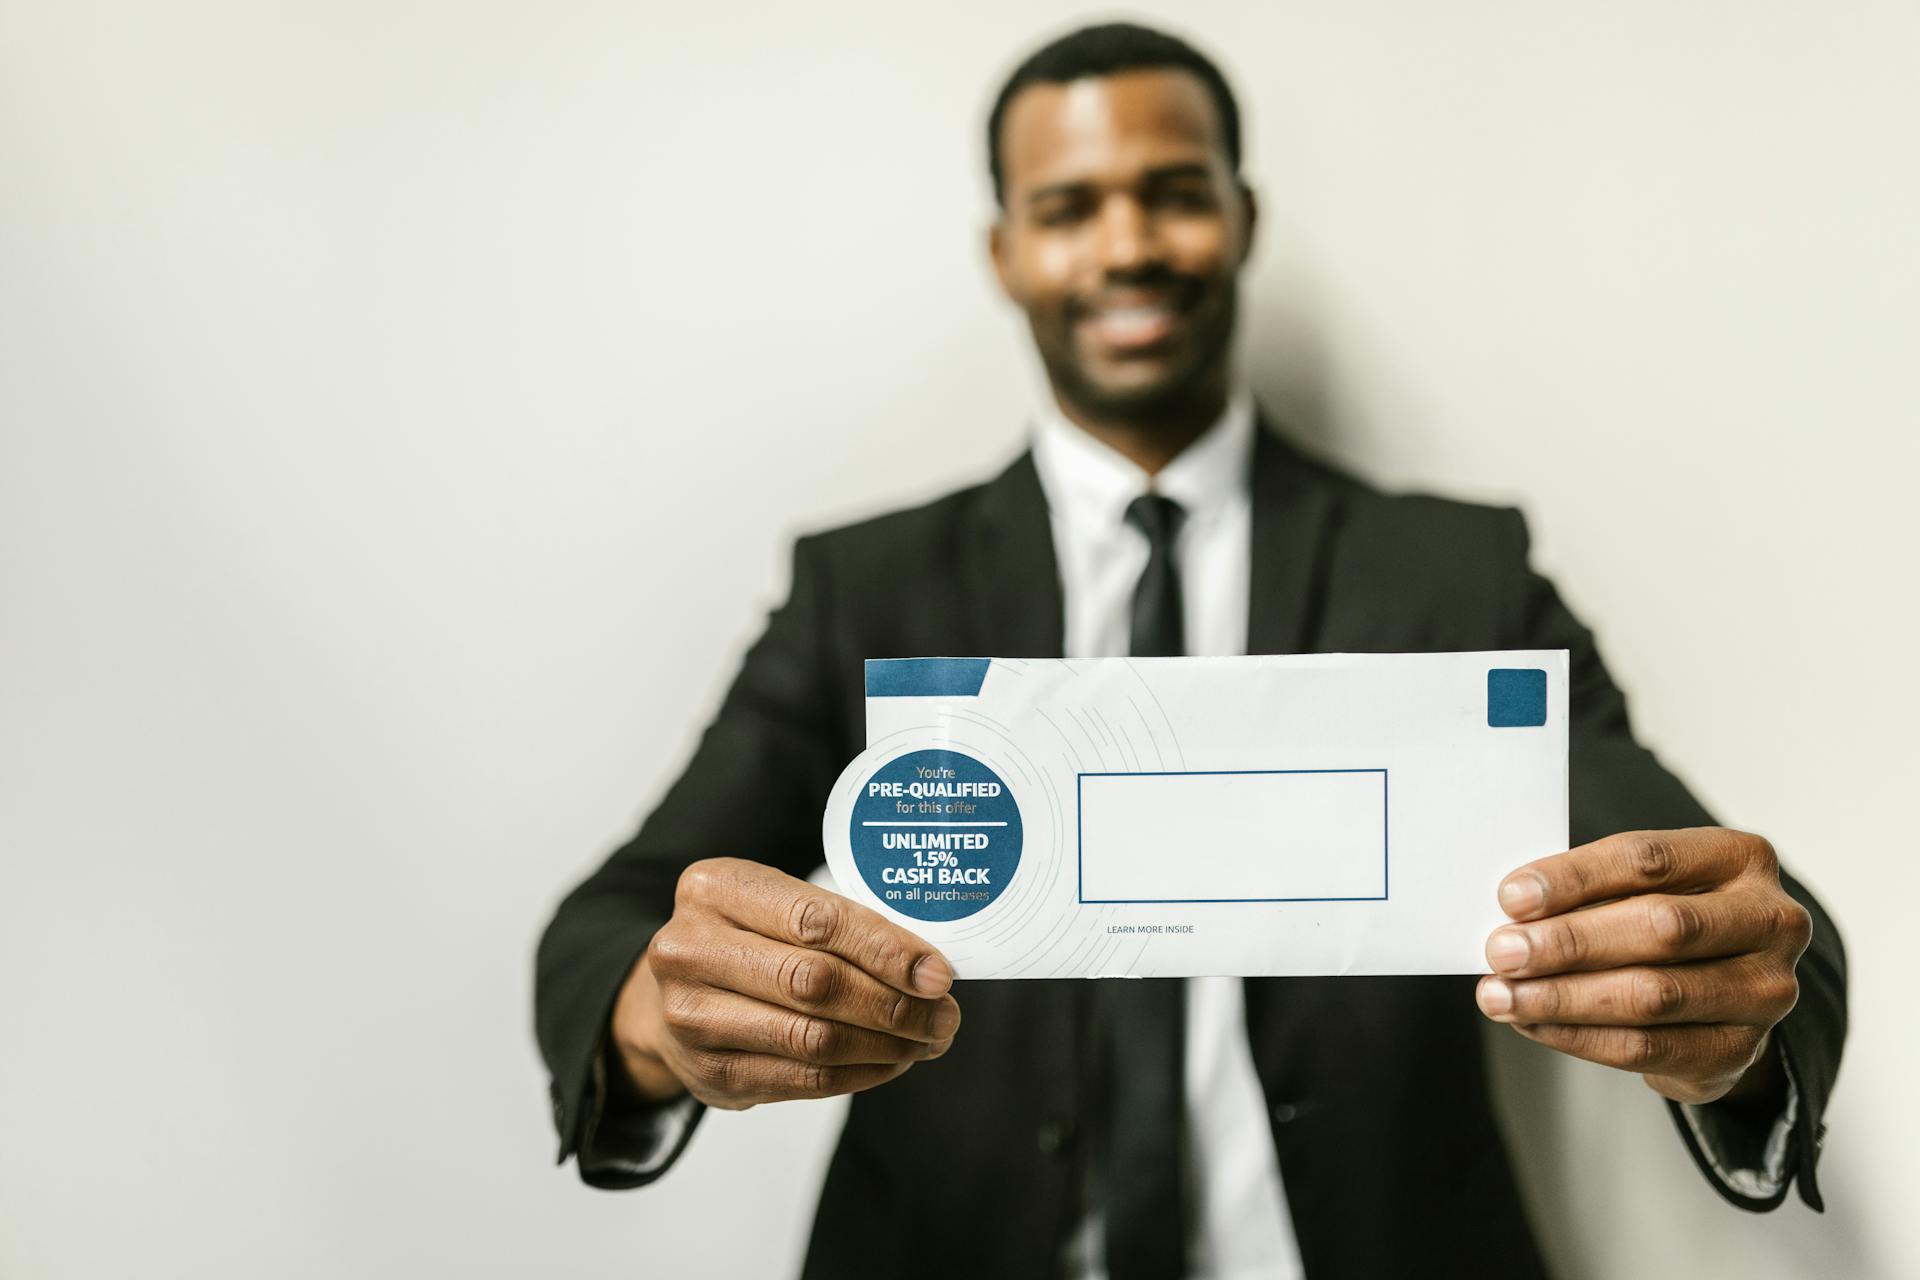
1132 325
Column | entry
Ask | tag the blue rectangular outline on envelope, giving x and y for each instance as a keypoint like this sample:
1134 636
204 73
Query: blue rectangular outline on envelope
926 677
1080 841
1516 697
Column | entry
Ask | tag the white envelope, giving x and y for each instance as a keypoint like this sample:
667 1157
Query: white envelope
1309 814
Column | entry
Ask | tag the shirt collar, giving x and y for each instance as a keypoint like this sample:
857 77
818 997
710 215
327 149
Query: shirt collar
1086 480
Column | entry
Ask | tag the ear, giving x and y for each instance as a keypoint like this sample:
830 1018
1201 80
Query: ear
1250 213
1002 256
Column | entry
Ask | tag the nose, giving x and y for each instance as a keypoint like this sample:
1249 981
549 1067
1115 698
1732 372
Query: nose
1127 239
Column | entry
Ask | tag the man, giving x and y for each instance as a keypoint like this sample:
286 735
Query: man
1275 1127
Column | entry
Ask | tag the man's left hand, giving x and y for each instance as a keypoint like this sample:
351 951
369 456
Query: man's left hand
1667 953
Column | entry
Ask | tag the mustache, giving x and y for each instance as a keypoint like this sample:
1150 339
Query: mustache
1182 289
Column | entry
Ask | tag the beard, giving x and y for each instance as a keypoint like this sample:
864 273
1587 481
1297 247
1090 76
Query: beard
1188 380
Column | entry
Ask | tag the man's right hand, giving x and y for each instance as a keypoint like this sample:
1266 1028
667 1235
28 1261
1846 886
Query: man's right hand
762 987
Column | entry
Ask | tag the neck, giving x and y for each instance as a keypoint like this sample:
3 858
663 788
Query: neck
1151 441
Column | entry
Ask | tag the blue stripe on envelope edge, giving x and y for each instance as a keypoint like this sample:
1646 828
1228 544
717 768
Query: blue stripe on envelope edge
926 677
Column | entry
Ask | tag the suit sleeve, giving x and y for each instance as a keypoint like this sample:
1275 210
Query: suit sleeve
1616 784
753 789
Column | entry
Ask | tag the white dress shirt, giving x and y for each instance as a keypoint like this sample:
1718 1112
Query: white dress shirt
1240 1227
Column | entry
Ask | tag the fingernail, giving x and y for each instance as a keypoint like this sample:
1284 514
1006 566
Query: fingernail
1523 895
932 976
1507 949
1496 998
946 1021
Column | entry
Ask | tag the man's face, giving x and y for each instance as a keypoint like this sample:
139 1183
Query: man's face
1122 236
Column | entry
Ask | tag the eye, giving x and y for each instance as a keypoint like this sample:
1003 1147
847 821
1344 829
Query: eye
1185 198
1063 212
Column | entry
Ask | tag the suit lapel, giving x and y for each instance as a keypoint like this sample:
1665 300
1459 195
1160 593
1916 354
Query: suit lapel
1012 580
1294 512
1014 608
1010 575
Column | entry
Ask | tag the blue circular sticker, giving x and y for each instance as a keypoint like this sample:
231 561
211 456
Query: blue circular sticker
936 835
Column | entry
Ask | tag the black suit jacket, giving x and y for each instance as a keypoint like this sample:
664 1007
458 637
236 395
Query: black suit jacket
1376 1086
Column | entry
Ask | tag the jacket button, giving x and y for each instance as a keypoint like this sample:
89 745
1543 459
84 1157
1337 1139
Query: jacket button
1284 1112
1055 1136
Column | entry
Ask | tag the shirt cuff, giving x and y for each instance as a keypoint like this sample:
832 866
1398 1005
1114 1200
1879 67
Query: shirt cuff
1746 1164
631 1142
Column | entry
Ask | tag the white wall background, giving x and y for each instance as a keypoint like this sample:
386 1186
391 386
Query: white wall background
404 408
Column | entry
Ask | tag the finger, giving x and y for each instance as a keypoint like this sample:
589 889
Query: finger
1691 1050
798 978
1743 990
779 906
707 1018
1654 928
731 1079
1630 863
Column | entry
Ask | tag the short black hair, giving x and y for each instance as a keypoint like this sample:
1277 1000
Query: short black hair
1106 50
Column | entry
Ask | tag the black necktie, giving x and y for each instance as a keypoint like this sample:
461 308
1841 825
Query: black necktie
1144 1017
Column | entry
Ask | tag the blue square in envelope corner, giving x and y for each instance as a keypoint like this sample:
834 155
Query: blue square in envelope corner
1516 697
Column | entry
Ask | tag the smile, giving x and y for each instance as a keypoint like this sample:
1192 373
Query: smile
1131 327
